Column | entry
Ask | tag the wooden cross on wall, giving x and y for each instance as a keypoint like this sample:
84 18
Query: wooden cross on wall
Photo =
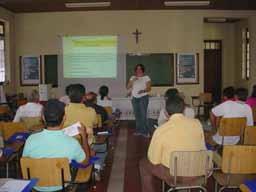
137 33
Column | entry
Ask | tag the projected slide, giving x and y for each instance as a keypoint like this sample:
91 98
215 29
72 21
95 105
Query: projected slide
90 56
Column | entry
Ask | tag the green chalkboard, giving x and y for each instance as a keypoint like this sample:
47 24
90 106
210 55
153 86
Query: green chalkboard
158 66
51 69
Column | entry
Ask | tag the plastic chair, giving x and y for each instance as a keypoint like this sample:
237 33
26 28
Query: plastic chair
232 127
237 165
10 128
250 135
33 123
204 102
197 164
48 171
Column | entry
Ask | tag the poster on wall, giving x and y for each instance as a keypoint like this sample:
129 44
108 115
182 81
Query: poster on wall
187 69
30 70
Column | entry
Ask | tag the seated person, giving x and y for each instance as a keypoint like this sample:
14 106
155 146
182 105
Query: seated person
231 91
31 109
76 111
104 100
91 101
163 115
52 142
252 100
230 108
65 99
179 133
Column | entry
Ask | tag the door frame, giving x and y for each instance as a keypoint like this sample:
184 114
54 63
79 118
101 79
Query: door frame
221 59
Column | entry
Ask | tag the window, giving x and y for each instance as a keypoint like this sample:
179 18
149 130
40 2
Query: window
245 54
212 44
2 53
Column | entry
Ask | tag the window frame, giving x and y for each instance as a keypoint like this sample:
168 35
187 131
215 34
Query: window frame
246 63
2 35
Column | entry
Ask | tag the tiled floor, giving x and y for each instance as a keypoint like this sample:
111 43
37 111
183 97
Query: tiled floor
133 148
136 149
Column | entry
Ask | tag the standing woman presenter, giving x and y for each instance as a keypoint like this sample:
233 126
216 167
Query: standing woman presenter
140 86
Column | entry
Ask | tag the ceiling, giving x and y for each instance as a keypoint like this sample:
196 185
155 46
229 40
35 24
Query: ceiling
20 6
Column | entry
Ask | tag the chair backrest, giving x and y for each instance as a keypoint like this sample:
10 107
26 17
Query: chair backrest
232 126
239 159
99 121
109 110
47 170
4 109
190 163
254 113
250 135
10 128
205 97
33 123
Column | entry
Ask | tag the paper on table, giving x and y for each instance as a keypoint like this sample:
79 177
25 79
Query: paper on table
14 185
72 130
103 133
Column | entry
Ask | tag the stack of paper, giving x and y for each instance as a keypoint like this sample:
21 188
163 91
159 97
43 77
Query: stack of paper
72 130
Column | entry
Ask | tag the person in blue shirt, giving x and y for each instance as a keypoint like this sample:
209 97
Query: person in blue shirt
52 142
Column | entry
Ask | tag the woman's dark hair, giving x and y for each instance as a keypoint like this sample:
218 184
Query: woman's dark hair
54 111
253 91
141 66
103 91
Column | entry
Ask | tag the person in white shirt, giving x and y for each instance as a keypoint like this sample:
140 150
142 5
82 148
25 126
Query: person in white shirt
231 108
103 99
140 85
65 99
163 115
30 109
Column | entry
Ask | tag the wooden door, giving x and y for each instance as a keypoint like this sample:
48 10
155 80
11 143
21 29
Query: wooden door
212 68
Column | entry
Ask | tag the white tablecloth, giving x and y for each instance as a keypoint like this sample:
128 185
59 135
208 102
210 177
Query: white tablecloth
125 105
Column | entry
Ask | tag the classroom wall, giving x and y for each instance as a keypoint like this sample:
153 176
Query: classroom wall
162 31
250 23
252 28
226 33
238 68
39 33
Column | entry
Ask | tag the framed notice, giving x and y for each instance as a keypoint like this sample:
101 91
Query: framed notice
187 68
30 70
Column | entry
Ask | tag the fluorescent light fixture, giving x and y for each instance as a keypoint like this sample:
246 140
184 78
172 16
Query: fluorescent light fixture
186 3
217 20
92 4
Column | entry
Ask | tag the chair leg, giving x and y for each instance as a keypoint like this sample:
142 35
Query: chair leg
171 189
201 188
7 170
222 188
215 186
163 186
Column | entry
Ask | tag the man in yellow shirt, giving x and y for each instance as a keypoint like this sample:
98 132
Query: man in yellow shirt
76 111
179 133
